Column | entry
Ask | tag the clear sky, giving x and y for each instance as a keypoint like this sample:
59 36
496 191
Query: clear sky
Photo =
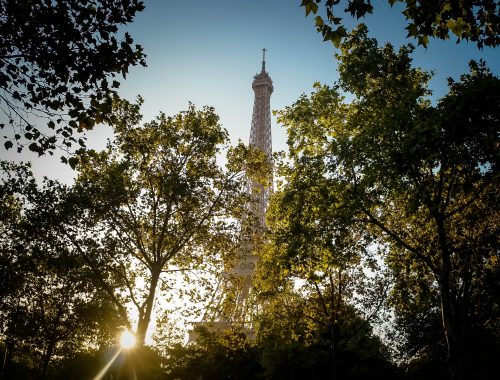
207 52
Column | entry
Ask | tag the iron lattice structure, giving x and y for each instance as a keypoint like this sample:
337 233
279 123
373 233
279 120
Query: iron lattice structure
233 304
260 136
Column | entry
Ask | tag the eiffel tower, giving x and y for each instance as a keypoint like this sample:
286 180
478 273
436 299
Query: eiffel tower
233 304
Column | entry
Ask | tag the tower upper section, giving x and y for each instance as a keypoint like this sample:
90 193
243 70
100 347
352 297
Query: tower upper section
260 132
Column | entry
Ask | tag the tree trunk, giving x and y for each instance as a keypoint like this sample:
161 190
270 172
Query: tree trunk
46 359
335 334
7 357
451 318
452 324
145 318
334 352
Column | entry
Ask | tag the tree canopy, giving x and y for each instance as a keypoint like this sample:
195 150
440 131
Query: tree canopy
155 205
380 252
159 201
59 62
48 306
477 21
421 179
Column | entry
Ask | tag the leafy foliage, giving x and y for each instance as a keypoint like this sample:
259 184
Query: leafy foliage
477 21
56 62
155 205
295 341
48 307
225 355
414 176
160 205
339 288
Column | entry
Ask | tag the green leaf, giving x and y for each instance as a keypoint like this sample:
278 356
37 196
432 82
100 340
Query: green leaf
412 30
456 26
423 40
311 6
447 7
73 161
34 147
337 35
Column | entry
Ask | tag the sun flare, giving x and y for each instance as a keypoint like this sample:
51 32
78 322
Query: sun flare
127 339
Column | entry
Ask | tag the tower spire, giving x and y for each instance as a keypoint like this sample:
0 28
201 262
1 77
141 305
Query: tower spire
264 60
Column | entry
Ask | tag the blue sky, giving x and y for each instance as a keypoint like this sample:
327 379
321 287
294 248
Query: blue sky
207 52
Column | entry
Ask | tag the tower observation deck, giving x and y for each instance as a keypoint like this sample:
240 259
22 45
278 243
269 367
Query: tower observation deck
233 304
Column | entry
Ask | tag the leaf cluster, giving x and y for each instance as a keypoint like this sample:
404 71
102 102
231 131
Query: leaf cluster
49 308
58 62
392 169
477 21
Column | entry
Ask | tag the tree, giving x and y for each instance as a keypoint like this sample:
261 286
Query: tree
56 62
421 178
227 354
10 219
329 258
157 204
11 277
48 307
477 21
295 340
416 333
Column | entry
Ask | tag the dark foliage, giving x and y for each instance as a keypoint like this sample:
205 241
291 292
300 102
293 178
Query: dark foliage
58 63
477 21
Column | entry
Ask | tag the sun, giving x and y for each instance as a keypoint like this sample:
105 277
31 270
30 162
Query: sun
127 339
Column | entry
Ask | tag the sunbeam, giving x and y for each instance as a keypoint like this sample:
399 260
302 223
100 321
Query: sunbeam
100 375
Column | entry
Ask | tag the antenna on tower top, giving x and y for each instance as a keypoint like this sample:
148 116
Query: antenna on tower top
264 60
